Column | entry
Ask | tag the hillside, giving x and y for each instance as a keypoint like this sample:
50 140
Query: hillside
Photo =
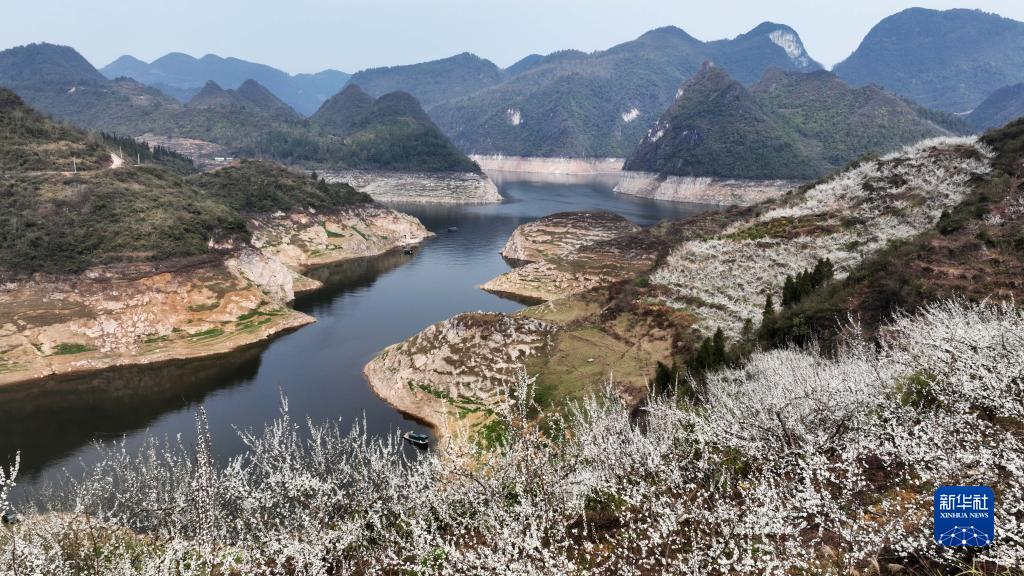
391 132
948 60
787 126
432 82
65 222
248 122
600 104
339 114
181 75
718 128
1001 107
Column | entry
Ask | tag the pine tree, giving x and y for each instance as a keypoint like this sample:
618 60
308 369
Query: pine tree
769 309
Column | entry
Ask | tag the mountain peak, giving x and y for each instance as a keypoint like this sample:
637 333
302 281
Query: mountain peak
47 63
340 112
212 96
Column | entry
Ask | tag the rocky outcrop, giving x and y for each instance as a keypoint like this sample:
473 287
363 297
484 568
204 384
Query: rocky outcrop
141 315
537 165
268 273
561 233
303 240
436 188
453 372
724 192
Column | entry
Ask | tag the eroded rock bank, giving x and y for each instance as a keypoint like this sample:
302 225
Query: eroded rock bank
572 252
308 239
138 315
436 188
563 232
538 165
147 313
702 190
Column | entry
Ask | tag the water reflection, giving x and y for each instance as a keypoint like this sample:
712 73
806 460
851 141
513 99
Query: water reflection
49 420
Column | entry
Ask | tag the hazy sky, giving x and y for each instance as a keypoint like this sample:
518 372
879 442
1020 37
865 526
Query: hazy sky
349 35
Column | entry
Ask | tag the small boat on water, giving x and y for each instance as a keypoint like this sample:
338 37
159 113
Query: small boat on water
416 439
453 228
408 250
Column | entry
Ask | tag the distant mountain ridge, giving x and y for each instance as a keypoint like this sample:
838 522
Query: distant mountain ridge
572 103
181 75
248 121
1000 108
432 82
790 125
948 60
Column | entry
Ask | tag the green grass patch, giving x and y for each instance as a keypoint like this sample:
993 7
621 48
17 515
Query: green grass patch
65 348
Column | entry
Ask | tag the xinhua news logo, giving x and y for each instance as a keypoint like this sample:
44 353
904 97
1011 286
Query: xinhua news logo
965 516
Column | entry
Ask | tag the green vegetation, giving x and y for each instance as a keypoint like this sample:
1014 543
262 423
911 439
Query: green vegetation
572 104
59 222
135 152
31 142
788 125
950 60
797 288
250 186
66 223
65 348
181 75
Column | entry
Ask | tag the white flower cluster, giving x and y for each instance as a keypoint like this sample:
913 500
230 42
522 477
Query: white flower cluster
794 463
845 219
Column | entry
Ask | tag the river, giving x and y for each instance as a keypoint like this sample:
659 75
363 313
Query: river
365 306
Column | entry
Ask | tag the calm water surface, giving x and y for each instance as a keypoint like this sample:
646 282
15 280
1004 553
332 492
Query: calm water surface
364 307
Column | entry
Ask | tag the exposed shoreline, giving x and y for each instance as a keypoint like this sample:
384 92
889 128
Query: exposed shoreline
420 187
544 165
701 190
150 314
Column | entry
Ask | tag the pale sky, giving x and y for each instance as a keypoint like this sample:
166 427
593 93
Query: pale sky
349 35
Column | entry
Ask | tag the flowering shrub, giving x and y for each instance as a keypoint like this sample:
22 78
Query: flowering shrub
793 463
846 218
